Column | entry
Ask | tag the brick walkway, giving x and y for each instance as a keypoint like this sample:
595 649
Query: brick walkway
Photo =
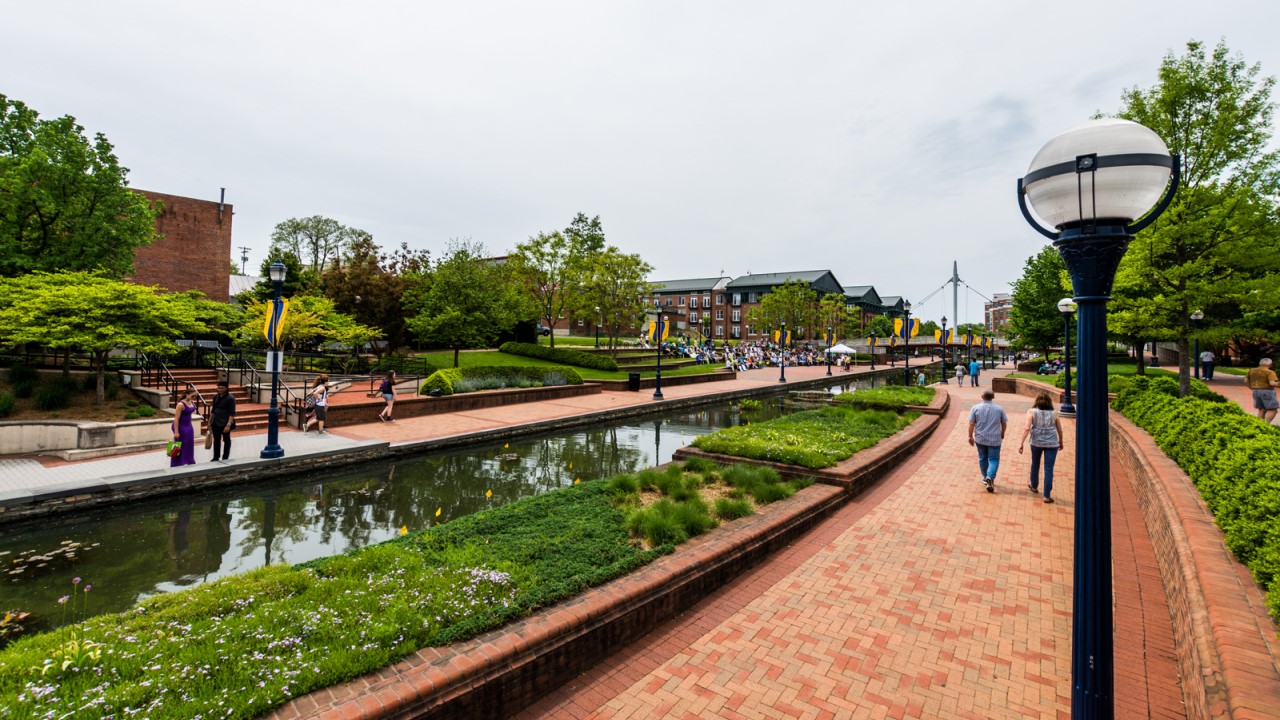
927 597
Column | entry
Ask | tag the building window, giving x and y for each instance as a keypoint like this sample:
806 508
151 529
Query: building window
719 314
750 331
693 318
668 302
753 297
719 331
581 323
737 331
719 298
693 301
737 298
737 316
706 301
681 301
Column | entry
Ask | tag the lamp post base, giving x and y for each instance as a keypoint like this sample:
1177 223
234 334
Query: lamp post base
1067 410
271 452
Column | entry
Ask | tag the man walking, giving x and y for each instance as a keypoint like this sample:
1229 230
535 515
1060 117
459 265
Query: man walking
987 423
1262 381
1206 364
975 368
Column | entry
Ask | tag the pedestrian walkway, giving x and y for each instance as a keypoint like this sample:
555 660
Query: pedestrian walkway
926 597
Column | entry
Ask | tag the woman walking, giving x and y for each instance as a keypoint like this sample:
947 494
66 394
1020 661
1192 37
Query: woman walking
320 395
183 432
1045 430
388 390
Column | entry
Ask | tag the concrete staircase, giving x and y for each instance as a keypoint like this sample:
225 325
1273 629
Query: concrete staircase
250 415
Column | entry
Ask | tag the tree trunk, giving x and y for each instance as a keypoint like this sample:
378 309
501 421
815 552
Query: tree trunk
102 378
1142 358
1184 370
455 356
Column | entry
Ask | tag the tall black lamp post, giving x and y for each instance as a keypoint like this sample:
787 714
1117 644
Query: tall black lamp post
1196 317
906 339
1091 185
657 376
599 319
943 340
872 347
831 339
1067 307
277 272
782 353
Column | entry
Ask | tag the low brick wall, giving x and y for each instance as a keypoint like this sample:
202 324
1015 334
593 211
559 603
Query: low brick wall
1026 388
502 672
673 381
1227 649
415 406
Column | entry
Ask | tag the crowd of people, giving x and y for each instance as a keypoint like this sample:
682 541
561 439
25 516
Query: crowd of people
748 354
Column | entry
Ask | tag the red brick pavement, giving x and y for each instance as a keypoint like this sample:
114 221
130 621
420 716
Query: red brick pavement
925 598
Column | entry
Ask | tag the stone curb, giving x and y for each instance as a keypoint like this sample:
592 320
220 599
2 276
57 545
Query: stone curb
1227 650
501 672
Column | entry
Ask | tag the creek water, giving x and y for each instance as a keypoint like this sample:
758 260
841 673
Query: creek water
129 552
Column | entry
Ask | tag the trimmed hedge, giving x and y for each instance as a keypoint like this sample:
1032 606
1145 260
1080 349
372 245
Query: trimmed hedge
471 379
1232 458
577 358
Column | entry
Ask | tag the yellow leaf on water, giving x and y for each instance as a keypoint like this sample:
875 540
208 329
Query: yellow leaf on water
506 445
404 529
438 511
488 493
576 481
570 464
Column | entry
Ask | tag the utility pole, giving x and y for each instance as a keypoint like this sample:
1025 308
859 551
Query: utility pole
244 258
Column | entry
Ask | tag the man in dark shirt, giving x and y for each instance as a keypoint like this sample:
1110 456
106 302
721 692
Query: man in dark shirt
222 421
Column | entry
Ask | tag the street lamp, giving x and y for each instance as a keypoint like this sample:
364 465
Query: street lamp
599 319
872 348
782 354
1067 307
944 350
1091 185
657 377
1196 317
830 340
277 272
906 346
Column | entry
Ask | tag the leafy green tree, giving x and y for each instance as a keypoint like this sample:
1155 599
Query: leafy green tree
466 301
310 318
792 302
65 204
370 285
317 241
881 326
551 267
97 314
298 279
615 282
1217 247
1034 320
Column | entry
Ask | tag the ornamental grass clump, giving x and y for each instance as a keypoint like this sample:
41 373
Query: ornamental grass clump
812 439
892 397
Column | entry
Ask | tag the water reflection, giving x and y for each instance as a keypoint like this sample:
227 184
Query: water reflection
168 544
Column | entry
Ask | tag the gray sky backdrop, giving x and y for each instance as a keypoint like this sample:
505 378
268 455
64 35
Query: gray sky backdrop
880 140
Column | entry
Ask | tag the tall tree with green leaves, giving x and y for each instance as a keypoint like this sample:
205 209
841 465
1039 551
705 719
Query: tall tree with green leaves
793 302
1034 320
466 301
615 282
370 284
1217 247
81 311
317 241
65 204
551 267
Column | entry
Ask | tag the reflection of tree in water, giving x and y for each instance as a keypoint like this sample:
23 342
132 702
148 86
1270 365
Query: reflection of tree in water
271 520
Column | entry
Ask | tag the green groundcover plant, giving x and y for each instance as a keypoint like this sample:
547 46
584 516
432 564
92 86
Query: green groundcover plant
567 356
1232 458
887 398
812 439
471 379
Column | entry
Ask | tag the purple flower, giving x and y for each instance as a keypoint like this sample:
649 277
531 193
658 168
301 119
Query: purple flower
62 600
75 581
87 588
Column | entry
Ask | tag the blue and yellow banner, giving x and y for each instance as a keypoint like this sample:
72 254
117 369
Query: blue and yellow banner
872 341
944 339
782 337
275 320
654 325
902 330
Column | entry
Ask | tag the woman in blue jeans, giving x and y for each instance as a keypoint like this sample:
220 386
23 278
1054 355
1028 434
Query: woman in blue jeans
1045 430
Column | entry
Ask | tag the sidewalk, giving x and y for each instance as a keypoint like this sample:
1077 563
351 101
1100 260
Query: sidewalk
925 598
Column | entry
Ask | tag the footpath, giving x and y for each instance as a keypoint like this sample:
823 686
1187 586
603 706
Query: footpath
926 597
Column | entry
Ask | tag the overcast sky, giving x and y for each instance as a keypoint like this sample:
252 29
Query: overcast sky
879 140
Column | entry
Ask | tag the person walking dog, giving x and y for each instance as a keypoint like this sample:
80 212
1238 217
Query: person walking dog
987 425
1045 430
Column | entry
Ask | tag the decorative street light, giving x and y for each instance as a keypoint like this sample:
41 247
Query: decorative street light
1067 307
277 272
1092 184
599 319
830 341
944 350
659 327
782 354
906 346
1196 317
872 348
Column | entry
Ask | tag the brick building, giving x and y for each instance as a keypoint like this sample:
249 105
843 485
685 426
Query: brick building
194 250
696 304
997 312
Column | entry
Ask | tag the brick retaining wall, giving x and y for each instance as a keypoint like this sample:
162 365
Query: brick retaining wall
417 405
1228 653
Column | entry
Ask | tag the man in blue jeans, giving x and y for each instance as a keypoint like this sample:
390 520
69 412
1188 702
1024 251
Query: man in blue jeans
987 423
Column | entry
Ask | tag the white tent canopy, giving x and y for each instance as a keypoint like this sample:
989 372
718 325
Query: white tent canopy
842 349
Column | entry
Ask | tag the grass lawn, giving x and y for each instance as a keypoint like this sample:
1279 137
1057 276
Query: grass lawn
813 438
1241 371
444 359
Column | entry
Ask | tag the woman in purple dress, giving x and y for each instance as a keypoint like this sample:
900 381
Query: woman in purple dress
182 430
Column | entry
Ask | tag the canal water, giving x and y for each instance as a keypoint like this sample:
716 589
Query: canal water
132 551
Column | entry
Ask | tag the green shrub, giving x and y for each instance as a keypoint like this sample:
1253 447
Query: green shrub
140 411
621 485
731 509
750 404
54 396
24 389
567 356
1232 458
6 404
693 516
471 379
813 439
19 374
700 465
892 397
657 524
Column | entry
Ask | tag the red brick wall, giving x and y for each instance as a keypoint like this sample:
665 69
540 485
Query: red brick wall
194 252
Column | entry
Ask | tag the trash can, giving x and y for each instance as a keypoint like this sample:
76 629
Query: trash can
633 382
